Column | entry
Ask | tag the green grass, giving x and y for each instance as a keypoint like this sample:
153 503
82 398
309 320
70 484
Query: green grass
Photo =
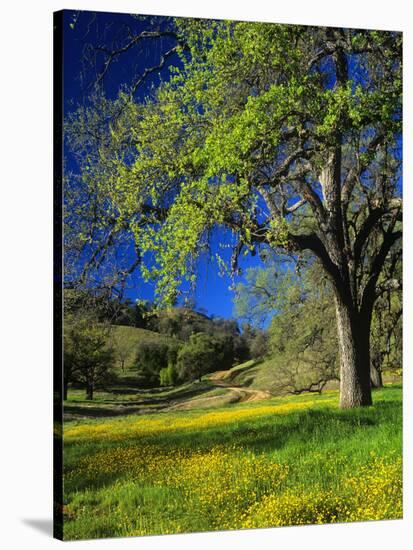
277 462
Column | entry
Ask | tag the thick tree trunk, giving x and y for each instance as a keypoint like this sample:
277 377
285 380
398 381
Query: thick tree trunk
89 391
354 344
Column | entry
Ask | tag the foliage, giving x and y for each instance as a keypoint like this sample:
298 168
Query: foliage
154 356
132 314
141 354
123 346
96 228
303 333
126 340
387 329
105 307
259 345
181 323
217 147
284 136
243 96
301 339
168 376
88 356
200 355
256 296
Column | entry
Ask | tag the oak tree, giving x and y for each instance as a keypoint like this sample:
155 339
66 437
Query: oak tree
278 136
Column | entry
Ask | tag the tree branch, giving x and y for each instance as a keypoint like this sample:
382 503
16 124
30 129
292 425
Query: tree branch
369 224
113 54
295 206
369 294
389 285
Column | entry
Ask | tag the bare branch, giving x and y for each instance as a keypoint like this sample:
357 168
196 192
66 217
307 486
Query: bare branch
296 206
151 70
369 294
394 206
114 54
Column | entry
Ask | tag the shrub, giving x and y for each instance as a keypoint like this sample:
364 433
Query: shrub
168 376
152 357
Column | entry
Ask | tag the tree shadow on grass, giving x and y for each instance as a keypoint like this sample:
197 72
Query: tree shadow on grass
75 411
295 428
297 431
111 407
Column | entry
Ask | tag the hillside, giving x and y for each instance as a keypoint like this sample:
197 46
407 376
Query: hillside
254 374
261 376
286 461
254 380
258 375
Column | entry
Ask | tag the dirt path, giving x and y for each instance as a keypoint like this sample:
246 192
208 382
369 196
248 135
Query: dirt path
245 394
142 405
219 375
236 394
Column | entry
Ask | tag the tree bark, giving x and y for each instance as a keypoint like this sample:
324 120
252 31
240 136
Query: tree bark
354 345
65 387
89 391
376 376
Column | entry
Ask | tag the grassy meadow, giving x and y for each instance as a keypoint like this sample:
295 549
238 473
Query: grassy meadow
230 231
282 461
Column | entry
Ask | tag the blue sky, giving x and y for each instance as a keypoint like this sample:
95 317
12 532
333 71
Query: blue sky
213 292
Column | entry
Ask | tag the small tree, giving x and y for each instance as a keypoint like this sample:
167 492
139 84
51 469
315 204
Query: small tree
88 357
153 356
168 376
303 339
123 346
201 354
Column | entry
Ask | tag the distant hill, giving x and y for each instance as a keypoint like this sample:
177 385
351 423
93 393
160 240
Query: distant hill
174 325
182 322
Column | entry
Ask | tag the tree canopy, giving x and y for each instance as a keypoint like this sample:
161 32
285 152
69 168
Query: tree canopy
287 137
